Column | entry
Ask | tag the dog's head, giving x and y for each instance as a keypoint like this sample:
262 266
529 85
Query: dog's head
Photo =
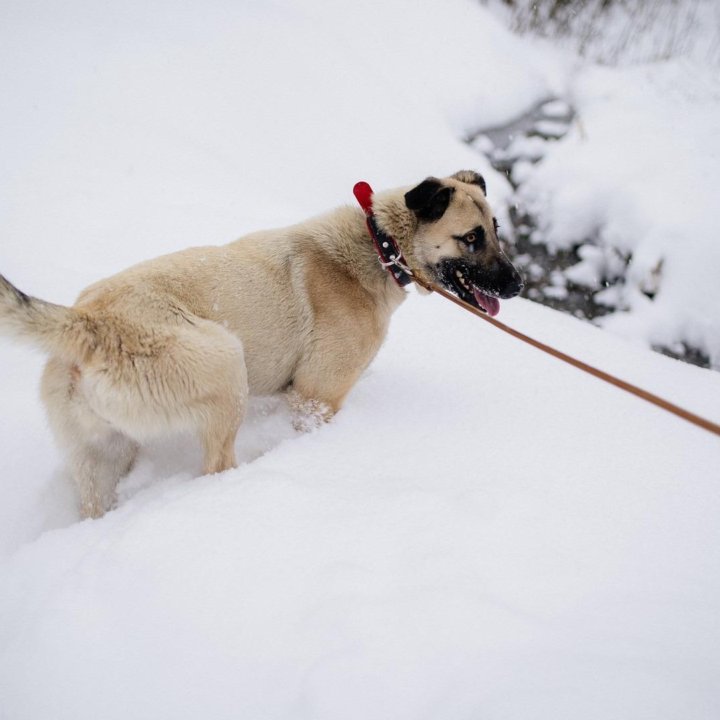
453 240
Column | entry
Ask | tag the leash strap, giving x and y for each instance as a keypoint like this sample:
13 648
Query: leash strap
389 254
595 372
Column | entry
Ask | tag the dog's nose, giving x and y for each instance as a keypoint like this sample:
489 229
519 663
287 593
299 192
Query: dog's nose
513 286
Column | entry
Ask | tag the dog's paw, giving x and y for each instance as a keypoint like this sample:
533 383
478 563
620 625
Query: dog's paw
308 414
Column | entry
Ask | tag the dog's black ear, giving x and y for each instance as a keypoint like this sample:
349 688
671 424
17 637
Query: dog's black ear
429 200
472 178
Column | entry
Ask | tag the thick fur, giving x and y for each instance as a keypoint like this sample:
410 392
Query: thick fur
179 342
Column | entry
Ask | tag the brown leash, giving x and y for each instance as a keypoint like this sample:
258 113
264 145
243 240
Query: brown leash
628 387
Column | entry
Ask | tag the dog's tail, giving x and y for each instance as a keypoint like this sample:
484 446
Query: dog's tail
56 329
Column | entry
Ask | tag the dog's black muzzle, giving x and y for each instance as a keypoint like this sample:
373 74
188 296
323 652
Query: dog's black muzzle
499 279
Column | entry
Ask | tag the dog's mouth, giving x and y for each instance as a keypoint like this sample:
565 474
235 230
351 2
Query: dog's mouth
479 285
457 280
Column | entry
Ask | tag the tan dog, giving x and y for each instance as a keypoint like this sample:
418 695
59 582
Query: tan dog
179 342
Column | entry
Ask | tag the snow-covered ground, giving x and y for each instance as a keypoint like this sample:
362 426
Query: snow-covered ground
533 544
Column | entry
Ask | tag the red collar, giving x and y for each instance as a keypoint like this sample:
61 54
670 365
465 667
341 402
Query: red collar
389 254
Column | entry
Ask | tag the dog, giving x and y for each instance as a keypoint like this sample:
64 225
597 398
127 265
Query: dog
179 342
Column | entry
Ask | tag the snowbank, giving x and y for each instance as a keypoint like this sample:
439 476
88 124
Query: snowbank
639 173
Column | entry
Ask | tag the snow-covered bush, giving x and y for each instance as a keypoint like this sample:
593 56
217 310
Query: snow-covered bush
612 31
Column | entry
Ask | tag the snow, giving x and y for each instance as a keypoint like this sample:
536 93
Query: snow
638 173
481 532
551 128
480 562
558 109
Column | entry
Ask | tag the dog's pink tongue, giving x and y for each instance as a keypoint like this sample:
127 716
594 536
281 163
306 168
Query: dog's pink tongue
491 305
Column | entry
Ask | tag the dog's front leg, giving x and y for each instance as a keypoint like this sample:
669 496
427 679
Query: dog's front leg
325 376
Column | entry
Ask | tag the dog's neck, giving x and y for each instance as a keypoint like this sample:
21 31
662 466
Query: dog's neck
344 236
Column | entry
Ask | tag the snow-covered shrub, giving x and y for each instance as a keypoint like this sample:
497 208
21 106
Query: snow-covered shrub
613 31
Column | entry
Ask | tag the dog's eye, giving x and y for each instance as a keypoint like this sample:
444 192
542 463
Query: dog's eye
474 240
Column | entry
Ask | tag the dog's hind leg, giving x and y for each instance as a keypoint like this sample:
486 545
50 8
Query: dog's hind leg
177 378
97 468
222 407
173 379
215 395
99 454
218 438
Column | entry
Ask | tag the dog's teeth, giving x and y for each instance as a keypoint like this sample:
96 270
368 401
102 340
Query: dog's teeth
464 282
